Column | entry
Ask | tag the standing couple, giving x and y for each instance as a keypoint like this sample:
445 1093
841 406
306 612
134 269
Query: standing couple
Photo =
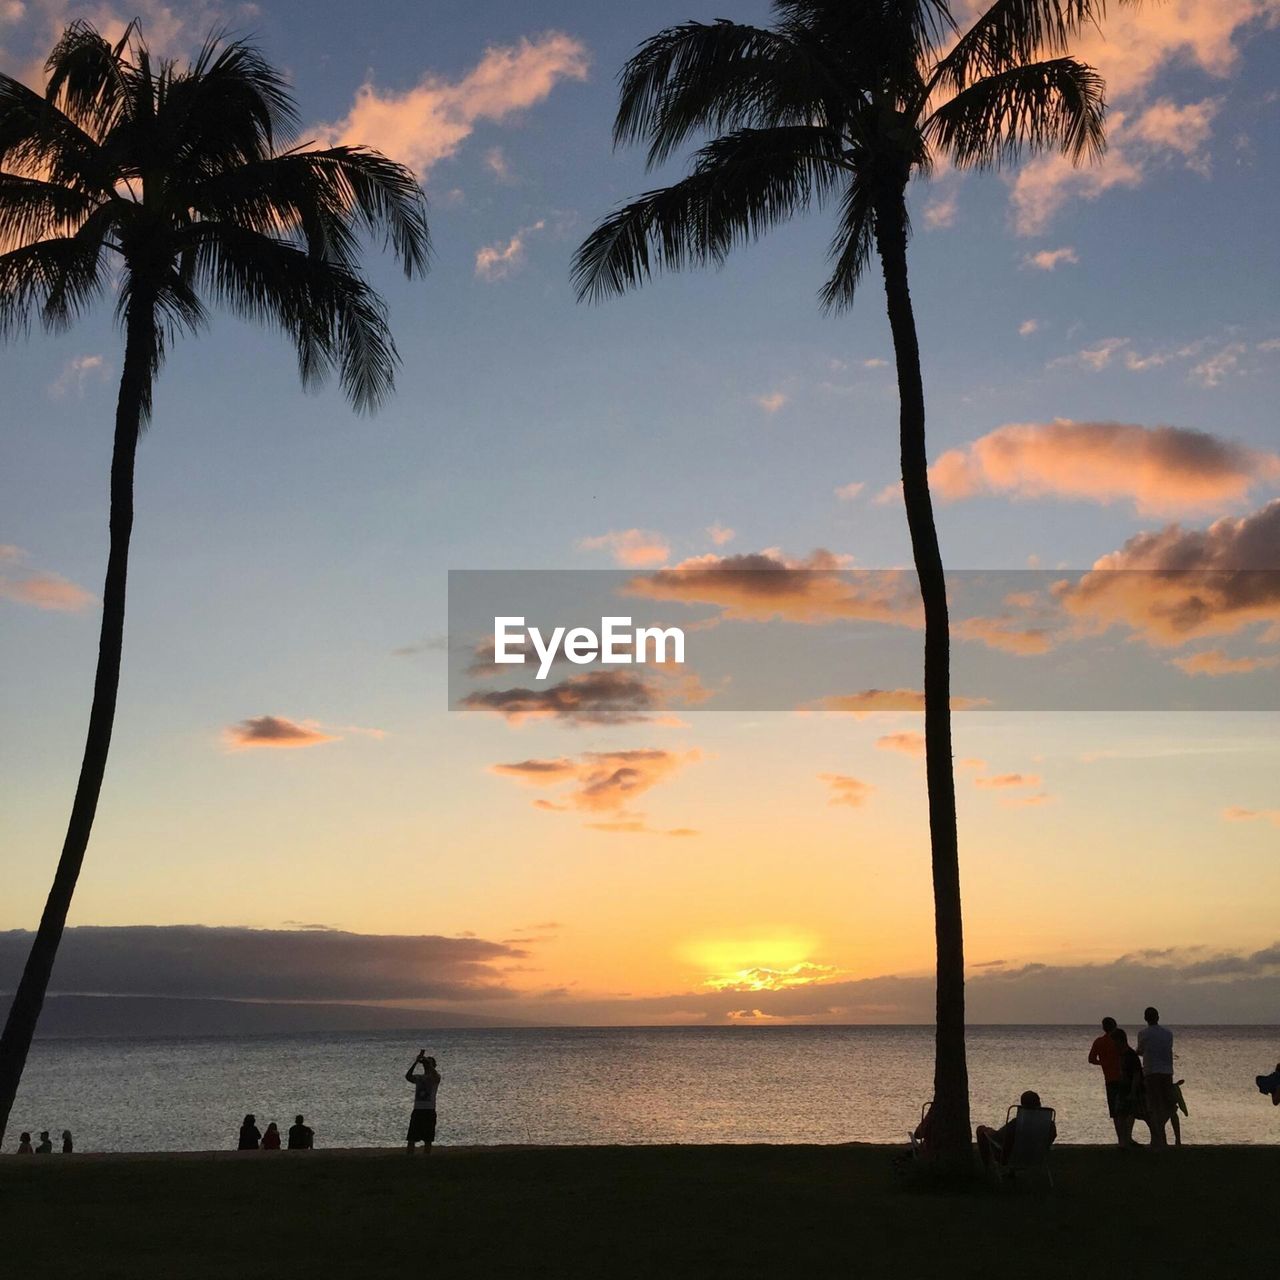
1139 1081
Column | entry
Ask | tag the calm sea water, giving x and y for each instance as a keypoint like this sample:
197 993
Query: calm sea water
615 1085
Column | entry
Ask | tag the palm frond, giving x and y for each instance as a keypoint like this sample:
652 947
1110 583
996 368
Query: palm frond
336 321
1056 104
56 279
88 78
852 246
710 77
742 184
39 140
1015 32
34 210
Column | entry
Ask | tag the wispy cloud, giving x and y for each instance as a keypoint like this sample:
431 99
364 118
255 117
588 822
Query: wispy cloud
1050 259
75 375
276 732
771 401
429 123
598 781
847 790
39 589
499 261
640 548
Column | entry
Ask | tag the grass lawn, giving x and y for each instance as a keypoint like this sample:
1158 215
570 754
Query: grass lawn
659 1212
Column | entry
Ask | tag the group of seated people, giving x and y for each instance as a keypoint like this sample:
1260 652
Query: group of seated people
301 1136
1031 1120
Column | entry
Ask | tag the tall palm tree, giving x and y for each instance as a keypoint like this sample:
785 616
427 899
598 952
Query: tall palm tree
172 185
843 102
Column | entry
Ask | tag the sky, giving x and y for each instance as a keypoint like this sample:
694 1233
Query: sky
1101 355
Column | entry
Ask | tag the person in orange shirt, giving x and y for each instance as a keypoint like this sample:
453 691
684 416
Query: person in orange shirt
1105 1053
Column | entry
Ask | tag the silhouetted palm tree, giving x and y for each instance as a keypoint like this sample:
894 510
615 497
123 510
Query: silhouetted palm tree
170 185
844 101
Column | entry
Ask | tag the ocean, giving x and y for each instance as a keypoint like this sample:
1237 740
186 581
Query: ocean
609 1085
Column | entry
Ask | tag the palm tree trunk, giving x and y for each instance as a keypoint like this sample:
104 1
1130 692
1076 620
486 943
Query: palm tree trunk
950 1130
24 1012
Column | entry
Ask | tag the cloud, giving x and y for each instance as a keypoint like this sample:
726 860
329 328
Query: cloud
848 492
76 372
599 781
940 212
1003 633
869 701
496 262
637 826
39 589
1131 50
1193 584
772 401
767 585
1213 662
639 548
910 744
1160 469
593 698
266 964
1002 781
875 362
719 534
274 731
1214 370
1027 328
1235 813
1206 986
1049 259
847 790
495 160
430 122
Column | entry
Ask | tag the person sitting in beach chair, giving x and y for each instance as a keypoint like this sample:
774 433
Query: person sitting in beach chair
922 1135
1022 1143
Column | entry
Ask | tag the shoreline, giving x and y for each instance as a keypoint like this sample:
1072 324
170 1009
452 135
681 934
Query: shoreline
447 1151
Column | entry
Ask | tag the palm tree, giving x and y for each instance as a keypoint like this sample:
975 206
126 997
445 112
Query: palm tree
172 185
842 102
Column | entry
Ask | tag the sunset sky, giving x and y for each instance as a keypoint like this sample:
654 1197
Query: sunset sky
1102 361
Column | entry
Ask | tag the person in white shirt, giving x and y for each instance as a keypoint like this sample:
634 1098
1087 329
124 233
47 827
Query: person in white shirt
1155 1047
422 1122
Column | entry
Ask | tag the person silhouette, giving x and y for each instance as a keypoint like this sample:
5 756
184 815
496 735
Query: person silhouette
24 1144
1155 1048
422 1120
271 1139
249 1135
46 1145
67 1146
1105 1053
301 1135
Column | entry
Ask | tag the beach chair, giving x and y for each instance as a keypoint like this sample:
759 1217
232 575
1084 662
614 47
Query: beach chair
917 1144
1032 1137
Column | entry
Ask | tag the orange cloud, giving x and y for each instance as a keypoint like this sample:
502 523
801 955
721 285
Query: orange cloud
46 591
634 548
910 744
1048 259
428 123
1130 50
719 534
1176 585
1235 813
599 781
1159 469
1213 662
1004 634
766 585
274 731
868 701
498 261
847 790
1002 781
594 697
